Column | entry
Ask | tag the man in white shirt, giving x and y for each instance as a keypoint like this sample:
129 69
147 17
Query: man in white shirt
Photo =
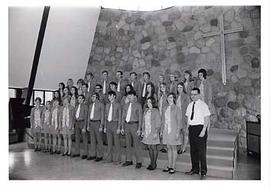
198 126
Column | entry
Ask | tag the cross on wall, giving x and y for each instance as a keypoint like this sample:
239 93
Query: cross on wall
221 33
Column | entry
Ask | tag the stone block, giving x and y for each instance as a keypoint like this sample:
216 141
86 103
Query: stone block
155 63
187 28
255 62
205 49
243 34
145 39
167 23
194 50
243 50
205 28
139 21
233 105
136 53
234 68
179 25
209 42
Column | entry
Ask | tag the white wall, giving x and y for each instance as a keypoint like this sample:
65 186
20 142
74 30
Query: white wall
66 47
23 27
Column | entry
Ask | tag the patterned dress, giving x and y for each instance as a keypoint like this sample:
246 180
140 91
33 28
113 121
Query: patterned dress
37 121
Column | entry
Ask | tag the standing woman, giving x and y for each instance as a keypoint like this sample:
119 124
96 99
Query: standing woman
170 131
61 89
57 96
67 124
162 104
182 101
67 92
74 96
150 130
55 127
188 82
46 123
150 92
36 125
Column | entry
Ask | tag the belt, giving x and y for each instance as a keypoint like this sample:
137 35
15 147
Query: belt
94 120
132 122
78 120
196 125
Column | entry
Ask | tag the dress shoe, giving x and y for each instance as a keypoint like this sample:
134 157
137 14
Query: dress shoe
69 154
181 152
149 167
203 177
163 150
127 163
35 150
191 172
166 169
64 154
138 165
84 157
75 155
171 171
59 152
98 159
91 158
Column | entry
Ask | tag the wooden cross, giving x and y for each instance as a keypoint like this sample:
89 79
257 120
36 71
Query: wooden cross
222 32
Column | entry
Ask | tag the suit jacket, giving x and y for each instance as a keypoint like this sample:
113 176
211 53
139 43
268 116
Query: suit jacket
173 87
107 85
71 116
92 86
176 117
83 112
87 96
32 115
98 112
136 113
155 120
116 113
123 84
136 87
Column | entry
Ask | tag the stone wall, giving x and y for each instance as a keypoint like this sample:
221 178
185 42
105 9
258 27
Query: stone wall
170 41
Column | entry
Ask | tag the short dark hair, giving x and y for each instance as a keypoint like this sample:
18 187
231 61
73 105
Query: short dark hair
132 92
196 89
113 83
121 72
174 96
63 85
111 93
147 74
133 73
97 95
85 84
203 71
99 85
81 96
80 80
38 99
105 71
90 73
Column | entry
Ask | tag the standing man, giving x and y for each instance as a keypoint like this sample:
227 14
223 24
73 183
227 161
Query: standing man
81 111
135 83
198 127
132 123
95 127
105 82
121 83
70 83
146 80
112 127
85 93
90 81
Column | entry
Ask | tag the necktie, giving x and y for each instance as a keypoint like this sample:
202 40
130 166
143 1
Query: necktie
89 85
144 89
104 87
118 86
192 113
110 113
78 111
92 111
132 83
128 113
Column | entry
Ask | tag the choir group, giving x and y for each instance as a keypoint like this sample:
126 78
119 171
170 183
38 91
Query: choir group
161 113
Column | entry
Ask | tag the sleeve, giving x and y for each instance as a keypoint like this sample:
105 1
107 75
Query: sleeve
179 119
85 115
206 111
102 114
140 115
123 116
119 116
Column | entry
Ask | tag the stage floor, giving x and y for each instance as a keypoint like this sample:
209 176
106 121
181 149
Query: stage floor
25 164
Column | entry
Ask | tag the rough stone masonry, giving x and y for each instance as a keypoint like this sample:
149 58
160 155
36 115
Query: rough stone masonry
169 41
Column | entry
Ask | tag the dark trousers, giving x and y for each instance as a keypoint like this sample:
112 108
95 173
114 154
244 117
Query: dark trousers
96 139
79 125
131 135
113 139
198 148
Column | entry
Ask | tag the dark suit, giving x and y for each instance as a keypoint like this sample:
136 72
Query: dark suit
111 130
94 125
80 128
131 128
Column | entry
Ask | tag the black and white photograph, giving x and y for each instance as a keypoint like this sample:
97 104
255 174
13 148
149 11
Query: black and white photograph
156 91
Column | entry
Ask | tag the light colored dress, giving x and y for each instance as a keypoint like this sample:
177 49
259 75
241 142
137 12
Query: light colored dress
54 129
46 123
170 129
66 128
37 120
152 122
